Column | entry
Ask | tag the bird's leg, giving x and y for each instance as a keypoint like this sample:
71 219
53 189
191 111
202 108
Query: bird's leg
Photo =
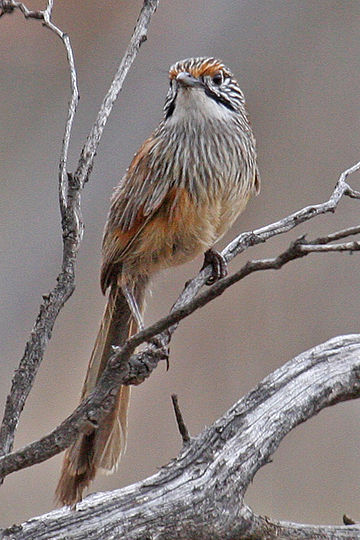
133 305
218 263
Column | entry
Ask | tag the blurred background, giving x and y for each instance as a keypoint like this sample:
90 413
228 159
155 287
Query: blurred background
298 65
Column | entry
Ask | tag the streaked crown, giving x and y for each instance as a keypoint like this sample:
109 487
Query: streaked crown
217 80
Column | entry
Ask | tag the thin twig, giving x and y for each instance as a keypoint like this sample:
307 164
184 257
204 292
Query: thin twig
346 246
7 7
72 228
139 36
350 231
249 239
180 420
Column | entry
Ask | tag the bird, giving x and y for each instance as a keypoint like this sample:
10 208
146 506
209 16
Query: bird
183 190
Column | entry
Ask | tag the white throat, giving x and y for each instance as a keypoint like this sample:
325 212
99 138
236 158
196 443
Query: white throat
193 102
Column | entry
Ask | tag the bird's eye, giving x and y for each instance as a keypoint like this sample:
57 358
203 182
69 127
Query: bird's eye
218 78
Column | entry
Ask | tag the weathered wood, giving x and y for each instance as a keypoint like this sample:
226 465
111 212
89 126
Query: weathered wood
200 493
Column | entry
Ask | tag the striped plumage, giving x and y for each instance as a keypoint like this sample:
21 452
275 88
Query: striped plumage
203 146
182 191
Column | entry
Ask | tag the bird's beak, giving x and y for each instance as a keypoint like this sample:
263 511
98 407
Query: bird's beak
186 80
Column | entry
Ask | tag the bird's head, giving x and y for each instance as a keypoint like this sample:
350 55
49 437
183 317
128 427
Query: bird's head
202 86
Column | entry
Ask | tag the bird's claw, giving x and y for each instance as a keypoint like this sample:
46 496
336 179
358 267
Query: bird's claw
218 263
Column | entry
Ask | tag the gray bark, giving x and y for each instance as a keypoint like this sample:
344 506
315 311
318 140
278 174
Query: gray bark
200 494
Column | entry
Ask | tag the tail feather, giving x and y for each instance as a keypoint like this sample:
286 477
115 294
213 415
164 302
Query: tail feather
103 447
112 437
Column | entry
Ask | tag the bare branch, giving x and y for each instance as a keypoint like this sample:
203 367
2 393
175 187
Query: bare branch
180 421
8 6
72 234
206 483
249 239
264 527
72 225
346 246
350 231
139 36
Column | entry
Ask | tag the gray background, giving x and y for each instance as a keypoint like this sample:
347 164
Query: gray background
298 64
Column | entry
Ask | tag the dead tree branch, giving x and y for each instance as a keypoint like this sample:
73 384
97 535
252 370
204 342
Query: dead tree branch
207 482
92 142
72 229
70 187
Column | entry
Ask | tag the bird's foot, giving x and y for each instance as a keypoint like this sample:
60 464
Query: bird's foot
218 263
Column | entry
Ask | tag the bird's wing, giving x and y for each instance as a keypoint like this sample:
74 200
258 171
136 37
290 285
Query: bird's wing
134 202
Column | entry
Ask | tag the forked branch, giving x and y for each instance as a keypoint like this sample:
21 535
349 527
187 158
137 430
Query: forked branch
70 187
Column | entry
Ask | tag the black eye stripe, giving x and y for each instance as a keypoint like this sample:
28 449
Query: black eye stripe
170 109
219 98
228 94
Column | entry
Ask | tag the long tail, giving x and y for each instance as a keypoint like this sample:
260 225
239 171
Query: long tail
103 447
